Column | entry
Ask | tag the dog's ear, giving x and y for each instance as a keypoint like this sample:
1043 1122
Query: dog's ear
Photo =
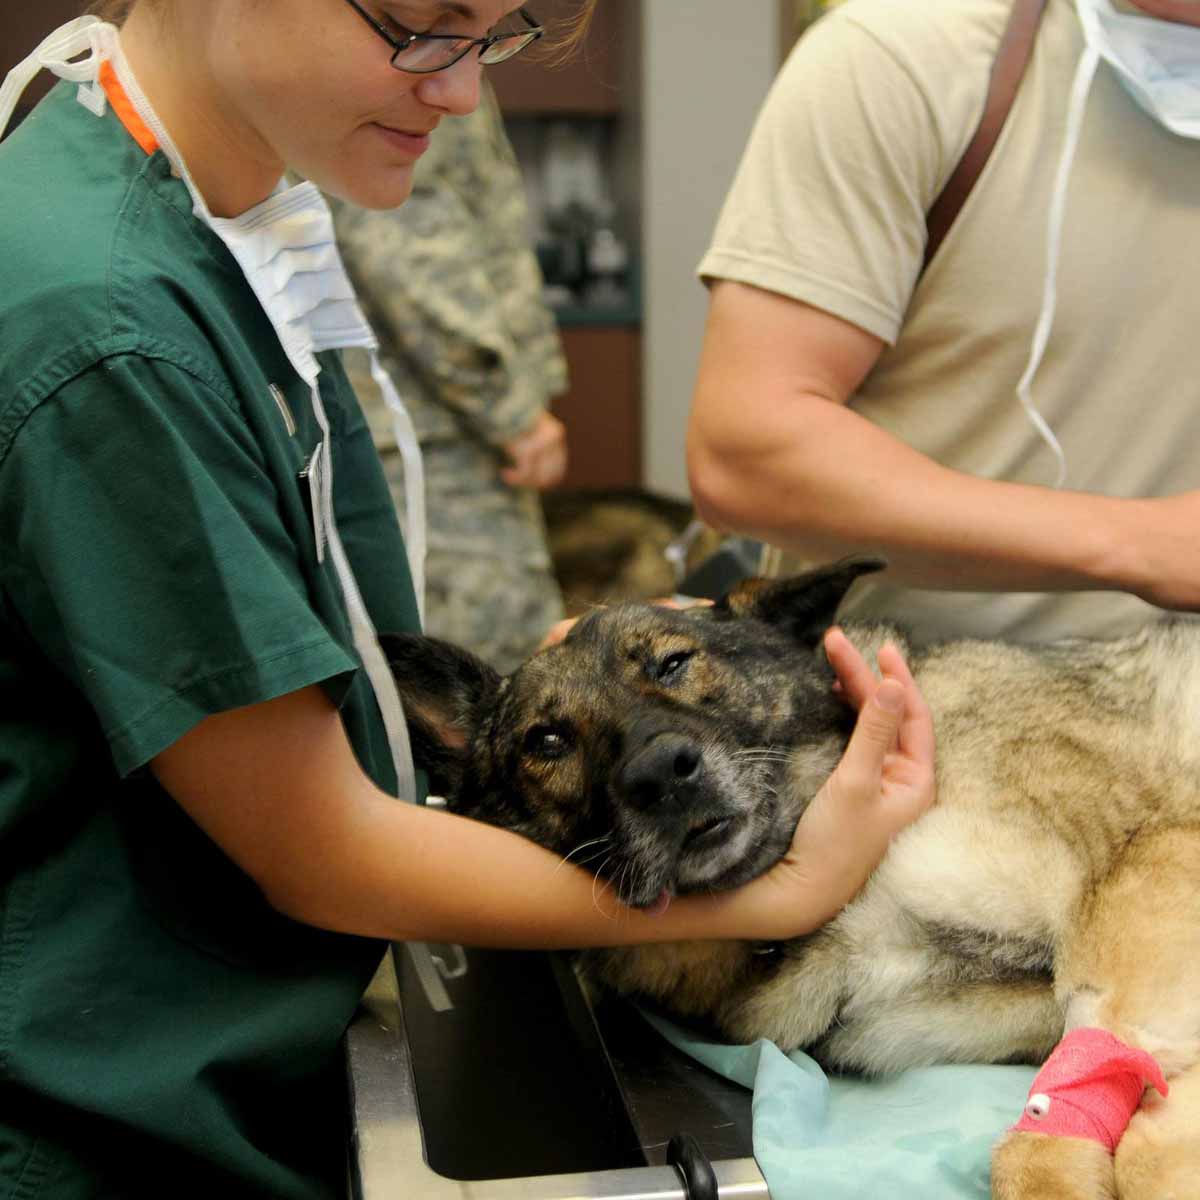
803 605
442 688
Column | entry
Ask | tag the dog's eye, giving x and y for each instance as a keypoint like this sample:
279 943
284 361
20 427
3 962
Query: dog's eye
548 741
670 667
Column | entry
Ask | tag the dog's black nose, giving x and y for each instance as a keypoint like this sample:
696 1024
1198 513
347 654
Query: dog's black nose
668 765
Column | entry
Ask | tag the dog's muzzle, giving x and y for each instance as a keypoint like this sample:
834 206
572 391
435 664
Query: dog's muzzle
668 767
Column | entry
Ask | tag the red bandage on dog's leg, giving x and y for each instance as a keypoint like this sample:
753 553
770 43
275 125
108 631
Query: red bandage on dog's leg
1090 1087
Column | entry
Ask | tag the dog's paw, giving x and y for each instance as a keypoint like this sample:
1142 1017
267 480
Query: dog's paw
1159 1156
1033 1166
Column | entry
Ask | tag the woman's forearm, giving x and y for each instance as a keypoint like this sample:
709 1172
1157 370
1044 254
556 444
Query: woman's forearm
416 874
461 881
278 788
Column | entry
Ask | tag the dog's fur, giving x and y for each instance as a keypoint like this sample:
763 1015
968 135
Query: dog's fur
1056 883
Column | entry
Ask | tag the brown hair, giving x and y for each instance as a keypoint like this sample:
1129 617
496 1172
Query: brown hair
564 35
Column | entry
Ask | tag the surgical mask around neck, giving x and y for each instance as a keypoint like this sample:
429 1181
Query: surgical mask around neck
1157 61
288 251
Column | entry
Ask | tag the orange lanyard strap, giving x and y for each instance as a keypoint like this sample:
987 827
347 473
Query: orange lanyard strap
123 107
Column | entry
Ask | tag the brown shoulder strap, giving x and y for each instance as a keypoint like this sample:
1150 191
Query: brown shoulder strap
1016 47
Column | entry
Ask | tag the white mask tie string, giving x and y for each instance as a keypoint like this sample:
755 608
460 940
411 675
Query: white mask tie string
1077 110
54 54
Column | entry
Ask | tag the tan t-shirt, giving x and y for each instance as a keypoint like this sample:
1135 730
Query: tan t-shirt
866 121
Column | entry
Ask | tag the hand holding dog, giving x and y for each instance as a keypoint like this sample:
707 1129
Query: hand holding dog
898 726
884 782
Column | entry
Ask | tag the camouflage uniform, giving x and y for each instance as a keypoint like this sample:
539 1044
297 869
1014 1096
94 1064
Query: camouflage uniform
452 288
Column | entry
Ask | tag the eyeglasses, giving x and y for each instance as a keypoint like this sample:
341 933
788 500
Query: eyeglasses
424 53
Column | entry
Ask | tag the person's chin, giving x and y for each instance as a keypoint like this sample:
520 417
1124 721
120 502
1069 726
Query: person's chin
382 188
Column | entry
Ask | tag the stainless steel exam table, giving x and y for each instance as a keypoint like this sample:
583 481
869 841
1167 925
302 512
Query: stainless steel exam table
527 1089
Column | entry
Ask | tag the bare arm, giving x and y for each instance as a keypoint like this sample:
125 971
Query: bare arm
278 788
773 451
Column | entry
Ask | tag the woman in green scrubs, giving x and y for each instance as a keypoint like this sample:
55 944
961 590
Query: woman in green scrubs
200 843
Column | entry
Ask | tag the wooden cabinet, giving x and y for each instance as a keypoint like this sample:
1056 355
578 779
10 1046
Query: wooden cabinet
595 84
602 409
585 83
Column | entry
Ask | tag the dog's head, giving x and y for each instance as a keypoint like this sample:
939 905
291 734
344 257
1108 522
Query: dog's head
667 751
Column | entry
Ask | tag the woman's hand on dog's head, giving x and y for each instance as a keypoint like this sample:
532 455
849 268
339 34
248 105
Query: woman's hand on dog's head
883 783
894 735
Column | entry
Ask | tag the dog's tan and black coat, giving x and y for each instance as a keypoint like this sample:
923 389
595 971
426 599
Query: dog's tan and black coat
1056 882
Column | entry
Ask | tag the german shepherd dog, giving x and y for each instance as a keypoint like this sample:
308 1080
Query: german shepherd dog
1055 883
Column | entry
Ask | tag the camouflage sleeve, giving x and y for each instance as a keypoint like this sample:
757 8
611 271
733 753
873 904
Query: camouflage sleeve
451 284
515 267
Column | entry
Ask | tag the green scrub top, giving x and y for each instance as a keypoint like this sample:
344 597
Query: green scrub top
162 1028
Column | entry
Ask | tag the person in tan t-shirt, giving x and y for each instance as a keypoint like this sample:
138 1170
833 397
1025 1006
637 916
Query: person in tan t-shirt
849 403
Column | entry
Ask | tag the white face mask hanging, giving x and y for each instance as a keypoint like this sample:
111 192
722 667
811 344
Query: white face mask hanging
287 251
1076 111
1157 62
